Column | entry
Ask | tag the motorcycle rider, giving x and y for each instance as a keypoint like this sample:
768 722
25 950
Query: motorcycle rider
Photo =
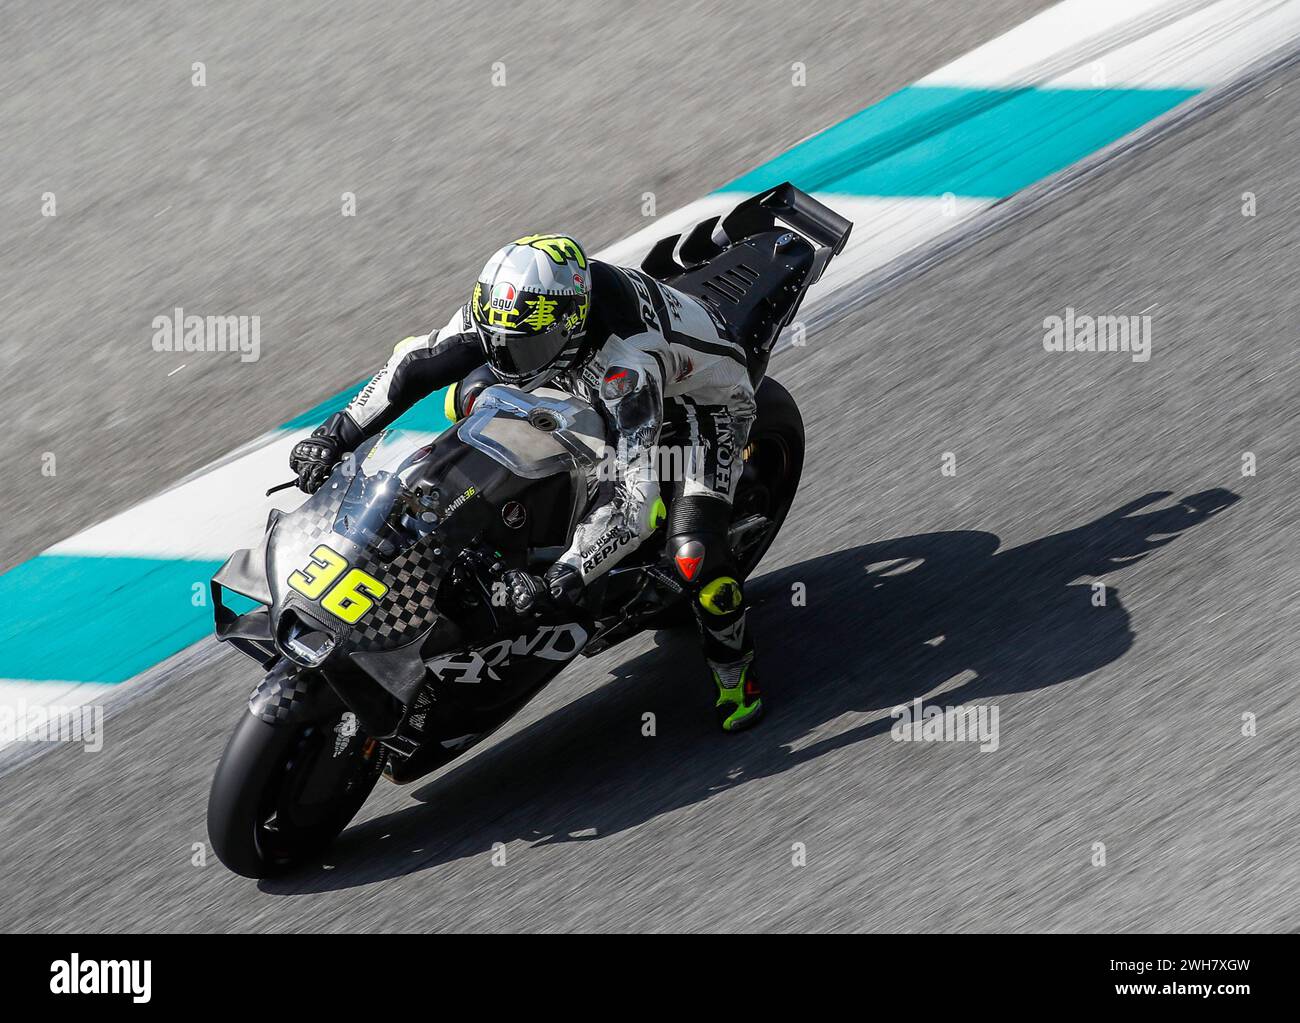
653 361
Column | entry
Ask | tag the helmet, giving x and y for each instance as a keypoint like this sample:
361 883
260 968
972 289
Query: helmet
530 308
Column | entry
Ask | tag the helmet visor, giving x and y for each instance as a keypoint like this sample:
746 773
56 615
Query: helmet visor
517 355
522 331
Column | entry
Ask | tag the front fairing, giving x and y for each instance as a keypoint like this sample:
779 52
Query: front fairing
357 568
354 579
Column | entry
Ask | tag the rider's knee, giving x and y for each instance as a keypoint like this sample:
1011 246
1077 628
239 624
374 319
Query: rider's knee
698 548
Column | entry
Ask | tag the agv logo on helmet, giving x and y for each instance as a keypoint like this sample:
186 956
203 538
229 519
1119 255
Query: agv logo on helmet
503 296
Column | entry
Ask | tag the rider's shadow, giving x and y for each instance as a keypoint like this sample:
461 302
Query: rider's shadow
883 623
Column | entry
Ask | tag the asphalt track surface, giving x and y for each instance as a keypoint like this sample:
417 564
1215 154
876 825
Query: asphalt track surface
1119 724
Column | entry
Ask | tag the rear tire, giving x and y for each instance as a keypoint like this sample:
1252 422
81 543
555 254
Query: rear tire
772 472
280 795
768 485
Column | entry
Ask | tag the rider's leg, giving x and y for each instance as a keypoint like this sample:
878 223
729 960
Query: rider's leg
698 517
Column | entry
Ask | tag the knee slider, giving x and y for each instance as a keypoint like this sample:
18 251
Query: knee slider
722 596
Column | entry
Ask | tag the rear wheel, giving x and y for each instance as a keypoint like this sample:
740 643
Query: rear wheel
773 466
767 488
283 792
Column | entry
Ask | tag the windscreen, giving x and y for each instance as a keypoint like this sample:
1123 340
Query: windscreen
383 508
397 496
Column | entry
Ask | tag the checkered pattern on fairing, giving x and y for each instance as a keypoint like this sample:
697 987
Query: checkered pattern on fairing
407 608
274 697
301 528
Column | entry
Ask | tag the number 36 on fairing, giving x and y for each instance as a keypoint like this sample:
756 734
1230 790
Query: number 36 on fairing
349 598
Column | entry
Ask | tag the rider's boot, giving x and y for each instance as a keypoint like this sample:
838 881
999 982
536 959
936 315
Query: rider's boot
729 652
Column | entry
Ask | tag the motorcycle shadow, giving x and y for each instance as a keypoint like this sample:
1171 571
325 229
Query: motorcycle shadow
882 624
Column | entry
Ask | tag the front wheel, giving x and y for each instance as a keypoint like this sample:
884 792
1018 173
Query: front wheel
284 791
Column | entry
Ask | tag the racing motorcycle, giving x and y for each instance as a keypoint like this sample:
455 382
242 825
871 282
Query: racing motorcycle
377 614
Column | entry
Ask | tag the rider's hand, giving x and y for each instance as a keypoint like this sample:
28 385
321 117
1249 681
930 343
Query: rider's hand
313 458
526 592
563 583
558 589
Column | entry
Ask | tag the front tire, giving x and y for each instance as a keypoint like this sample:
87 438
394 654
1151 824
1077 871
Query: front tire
281 795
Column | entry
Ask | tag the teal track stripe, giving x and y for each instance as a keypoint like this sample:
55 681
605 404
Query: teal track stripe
317 414
85 619
931 140
81 618
425 415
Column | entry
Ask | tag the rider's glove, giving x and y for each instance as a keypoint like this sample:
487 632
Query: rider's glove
525 591
313 458
558 589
